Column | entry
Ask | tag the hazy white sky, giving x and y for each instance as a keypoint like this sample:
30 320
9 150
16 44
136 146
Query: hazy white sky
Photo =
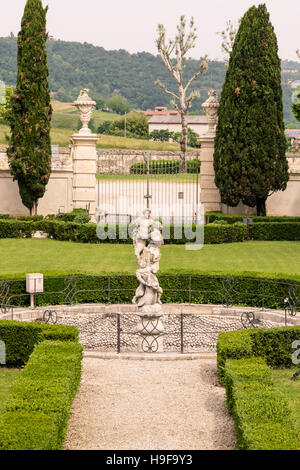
131 24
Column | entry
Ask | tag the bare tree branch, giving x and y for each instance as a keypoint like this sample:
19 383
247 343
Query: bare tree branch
228 38
179 47
163 87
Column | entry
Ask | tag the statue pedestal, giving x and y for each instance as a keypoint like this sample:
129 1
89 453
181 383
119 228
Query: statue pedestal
85 169
209 197
150 329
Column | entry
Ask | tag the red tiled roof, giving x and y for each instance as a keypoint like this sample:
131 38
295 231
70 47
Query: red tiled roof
160 111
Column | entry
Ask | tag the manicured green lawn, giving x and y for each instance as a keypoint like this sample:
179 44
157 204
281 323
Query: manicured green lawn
291 391
7 379
274 259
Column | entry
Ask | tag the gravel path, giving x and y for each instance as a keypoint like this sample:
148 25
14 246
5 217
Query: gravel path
150 405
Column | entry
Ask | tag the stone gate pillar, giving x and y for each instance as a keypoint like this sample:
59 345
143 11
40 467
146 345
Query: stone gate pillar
209 196
84 156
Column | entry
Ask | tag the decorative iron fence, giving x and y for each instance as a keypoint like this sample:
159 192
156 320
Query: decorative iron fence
186 289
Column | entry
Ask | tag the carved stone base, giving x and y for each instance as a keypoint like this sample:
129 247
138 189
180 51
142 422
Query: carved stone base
150 329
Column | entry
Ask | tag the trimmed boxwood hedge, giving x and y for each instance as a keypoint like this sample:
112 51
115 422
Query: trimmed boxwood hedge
232 219
185 288
262 417
38 408
273 231
273 345
165 167
20 338
86 233
214 233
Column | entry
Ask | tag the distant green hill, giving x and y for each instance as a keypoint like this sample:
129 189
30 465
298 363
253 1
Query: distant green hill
74 65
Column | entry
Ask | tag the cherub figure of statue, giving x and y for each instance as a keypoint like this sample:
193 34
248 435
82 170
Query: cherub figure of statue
141 233
149 291
84 92
147 239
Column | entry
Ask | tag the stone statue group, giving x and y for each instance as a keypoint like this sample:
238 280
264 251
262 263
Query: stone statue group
147 241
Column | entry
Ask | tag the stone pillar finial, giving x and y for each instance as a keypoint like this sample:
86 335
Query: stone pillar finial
85 106
211 107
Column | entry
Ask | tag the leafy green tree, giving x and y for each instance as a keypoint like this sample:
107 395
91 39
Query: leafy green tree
29 149
100 104
7 91
118 104
249 160
136 126
162 135
296 106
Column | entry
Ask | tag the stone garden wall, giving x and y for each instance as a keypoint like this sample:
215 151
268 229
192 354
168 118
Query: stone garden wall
59 192
120 161
61 189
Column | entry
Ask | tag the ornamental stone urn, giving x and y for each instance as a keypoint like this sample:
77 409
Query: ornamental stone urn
211 107
85 106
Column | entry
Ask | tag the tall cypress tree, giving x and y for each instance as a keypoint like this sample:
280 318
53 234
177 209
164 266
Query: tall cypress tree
250 146
29 149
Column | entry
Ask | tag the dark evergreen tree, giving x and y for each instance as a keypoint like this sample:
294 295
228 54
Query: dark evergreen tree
296 108
250 146
29 149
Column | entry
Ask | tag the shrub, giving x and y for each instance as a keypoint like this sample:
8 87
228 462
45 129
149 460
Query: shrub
82 219
16 229
136 126
275 231
165 167
21 337
262 418
38 408
80 214
214 233
232 219
162 135
273 345
30 218
86 232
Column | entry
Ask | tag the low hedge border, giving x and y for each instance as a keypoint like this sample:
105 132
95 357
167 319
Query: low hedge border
275 231
176 235
232 219
86 233
273 345
185 288
262 417
38 408
20 338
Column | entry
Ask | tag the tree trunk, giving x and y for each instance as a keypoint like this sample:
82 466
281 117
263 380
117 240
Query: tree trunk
35 207
261 206
183 141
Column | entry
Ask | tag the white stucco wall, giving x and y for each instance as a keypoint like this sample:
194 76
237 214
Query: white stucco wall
200 129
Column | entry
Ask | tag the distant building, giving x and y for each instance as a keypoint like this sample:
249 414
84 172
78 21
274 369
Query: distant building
172 123
160 111
293 133
290 70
